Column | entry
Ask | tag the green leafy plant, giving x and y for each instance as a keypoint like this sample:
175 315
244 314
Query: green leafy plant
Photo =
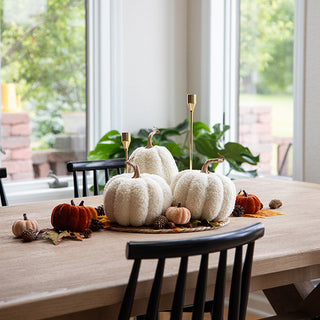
207 144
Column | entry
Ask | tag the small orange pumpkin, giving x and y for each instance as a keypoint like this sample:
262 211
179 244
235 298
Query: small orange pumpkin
249 202
178 214
71 217
22 224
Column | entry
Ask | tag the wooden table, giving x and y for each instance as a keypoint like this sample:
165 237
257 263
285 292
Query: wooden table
41 280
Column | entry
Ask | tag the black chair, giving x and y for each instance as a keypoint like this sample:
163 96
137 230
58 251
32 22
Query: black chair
3 174
184 248
95 166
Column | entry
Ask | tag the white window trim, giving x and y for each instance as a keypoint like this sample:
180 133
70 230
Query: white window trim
221 54
298 90
104 73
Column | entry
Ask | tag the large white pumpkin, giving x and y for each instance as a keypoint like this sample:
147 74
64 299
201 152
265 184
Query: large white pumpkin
207 195
136 200
155 160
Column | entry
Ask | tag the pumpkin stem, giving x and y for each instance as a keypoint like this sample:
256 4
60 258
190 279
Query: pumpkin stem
179 205
245 194
209 161
151 134
81 203
72 202
135 170
25 216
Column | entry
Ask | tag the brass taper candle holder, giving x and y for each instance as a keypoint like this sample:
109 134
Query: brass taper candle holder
192 100
126 140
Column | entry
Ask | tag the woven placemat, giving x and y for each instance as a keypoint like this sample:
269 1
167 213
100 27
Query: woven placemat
146 229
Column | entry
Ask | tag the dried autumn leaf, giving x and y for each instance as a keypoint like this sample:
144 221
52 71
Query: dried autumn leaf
55 237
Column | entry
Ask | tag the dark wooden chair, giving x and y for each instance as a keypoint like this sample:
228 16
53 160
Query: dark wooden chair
219 243
94 166
3 174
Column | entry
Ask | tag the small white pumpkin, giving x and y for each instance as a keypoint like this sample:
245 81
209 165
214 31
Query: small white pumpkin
136 200
155 160
207 195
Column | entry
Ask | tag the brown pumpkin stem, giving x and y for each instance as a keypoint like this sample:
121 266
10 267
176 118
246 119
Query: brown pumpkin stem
25 216
72 202
209 161
151 134
245 194
81 203
179 205
135 169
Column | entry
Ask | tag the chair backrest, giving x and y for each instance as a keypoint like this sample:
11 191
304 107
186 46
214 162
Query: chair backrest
3 174
196 246
94 166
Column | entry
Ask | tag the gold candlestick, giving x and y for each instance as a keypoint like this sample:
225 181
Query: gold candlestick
192 100
126 139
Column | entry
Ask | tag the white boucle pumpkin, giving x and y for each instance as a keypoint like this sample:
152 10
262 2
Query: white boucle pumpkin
136 200
207 195
155 159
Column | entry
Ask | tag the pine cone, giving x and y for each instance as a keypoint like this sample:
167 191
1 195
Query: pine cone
238 211
274 204
100 210
96 225
87 233
160 222
28 235
170 225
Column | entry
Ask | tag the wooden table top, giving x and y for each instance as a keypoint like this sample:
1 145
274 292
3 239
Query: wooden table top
41 280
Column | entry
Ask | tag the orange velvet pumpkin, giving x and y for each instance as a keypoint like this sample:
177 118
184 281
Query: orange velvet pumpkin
71 217
249 202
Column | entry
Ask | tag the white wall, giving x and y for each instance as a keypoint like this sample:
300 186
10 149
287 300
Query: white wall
312 93
154 69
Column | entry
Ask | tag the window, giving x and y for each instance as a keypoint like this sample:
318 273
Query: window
43 85
266 82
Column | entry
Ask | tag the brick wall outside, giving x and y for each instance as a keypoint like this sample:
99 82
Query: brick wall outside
23 163
16 142
255 132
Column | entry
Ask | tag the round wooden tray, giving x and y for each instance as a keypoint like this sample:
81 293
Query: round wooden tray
145 229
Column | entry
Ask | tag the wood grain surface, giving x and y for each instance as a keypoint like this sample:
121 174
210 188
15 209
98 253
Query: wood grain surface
41 280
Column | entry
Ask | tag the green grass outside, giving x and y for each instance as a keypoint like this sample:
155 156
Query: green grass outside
282 111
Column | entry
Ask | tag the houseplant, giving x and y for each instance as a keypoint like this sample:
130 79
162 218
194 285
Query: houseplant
207 144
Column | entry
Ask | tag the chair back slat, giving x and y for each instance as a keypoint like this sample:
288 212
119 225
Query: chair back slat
4 201
200 293
203 246
235 291
246 275
127 301
95 183
84 184
153 305
95 167
219 292
76 185
3 174
177 305
107 174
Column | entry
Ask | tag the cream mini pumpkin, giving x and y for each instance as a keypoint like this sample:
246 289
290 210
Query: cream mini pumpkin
155 160
207 195
23 224
178 214
136 200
